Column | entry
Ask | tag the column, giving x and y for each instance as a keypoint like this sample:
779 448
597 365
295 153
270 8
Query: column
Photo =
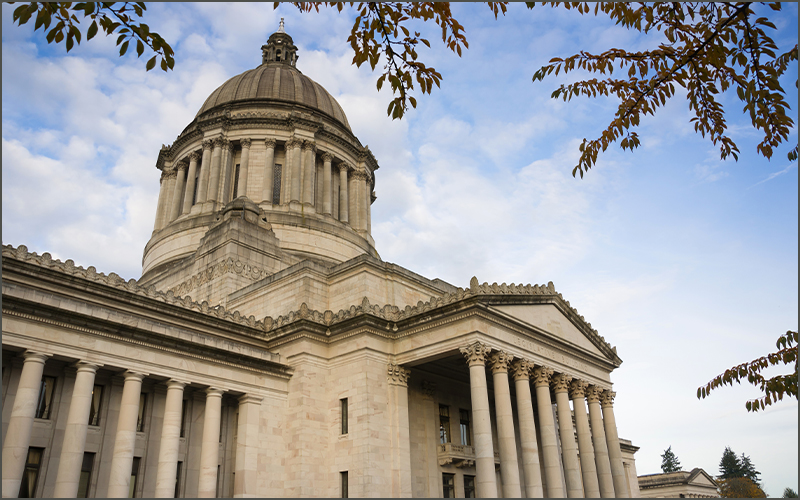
69 465
604 477
294 196
547 429
18 435
226 174
591 486
400 438
309 172
368 203
569 449
485 482
612 439
125 440
177 201
191 181
216 165
170 440
162 199
205 166
343 199
430 417
246 479
269 180
241 188
527 430
209 451
327 189
509 468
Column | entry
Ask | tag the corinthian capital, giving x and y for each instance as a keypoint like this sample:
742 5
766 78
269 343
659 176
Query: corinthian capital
476 353
398 375
245 143
607 399
593 394
309 146
343 167
219 142
522 369
227 145
208 144
194 156
577 389
501 361
561 383
183 164
541 376
359 175
269 143
327 157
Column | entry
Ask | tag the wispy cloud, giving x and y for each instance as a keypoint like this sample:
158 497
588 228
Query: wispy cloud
775 174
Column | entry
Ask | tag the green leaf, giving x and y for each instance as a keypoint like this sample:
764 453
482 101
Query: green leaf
92 31
123 49
139 48
151 63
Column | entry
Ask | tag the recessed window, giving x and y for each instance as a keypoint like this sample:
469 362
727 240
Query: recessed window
142 404
343 406
184 413
134 476
86 475
27 488
464 427
444 424
343 486
277 171
448 485
469 486
94 410
46 391
236 182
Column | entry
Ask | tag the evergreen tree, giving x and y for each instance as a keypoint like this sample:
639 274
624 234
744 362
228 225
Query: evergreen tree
749 470
789 493
730 466
669 462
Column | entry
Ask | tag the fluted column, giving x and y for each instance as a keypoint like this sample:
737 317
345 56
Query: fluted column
205 167
509 468
547 430
162 199
296 191
327 188
191 181
247 446
241 187
216 165
69 465
309 172
612 438
177 201
400 437
485 482
591 486
18 435
226 175
527 430
268 188
344 204
209 451
125 440
569 449
170 440
604 476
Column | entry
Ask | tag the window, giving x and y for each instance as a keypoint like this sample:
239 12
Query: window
86 475
134 477
45 397
277 170
464 427
178 481
183 419
142 403
94 410
469 486
196 182
343 484
235 182
448 485
444 424
343 404
28 486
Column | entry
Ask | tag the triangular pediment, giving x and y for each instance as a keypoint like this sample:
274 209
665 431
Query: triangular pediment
701 478
549 318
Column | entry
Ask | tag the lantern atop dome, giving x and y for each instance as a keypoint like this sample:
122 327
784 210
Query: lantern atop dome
279 48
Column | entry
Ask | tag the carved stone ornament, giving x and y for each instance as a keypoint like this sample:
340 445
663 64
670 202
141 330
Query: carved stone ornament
476 353
561 382
398 375
522 369
541 376
343 166
183 164
227 145
359 175
245 143
327 157
208 144
607 399
593 394
309 146
428 389
501 361
195 156
577 389
269 143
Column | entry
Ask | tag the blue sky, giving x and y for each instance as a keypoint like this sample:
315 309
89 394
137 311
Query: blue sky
686 263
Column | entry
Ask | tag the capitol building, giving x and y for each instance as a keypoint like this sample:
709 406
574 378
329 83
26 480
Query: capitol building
268 351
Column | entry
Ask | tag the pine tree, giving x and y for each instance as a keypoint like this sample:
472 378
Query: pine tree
730 466
749 470
789 493
669 462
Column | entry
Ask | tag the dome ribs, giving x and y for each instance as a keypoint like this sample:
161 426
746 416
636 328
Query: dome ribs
228 90
309 96
298 87
287 88
323 99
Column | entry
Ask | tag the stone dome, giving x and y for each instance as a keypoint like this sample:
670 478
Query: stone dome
277 79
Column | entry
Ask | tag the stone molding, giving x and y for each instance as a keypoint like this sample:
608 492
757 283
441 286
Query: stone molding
270 143
245 143
607 398
541 376
476 353
195 156
398 375
521 369
500 361
217 270
593 394
577 389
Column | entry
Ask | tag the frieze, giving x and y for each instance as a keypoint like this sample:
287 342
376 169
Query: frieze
548 353
217 270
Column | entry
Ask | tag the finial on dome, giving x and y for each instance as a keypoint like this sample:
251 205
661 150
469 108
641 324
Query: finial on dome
279 47
280 28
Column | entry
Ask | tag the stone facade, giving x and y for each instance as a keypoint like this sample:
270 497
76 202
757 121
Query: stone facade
267 350
681 484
